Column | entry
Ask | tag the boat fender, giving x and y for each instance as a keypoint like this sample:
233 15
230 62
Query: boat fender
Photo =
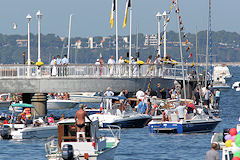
67 152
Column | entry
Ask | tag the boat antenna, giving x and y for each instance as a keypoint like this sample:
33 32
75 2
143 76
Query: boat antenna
181 54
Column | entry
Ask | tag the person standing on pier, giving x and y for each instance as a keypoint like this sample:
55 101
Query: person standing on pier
121 65
65 62
58 63
111 63
52 63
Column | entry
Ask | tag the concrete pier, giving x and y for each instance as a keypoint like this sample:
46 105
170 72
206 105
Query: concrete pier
39 101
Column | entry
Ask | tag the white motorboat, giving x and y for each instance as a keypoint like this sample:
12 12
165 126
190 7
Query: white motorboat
61 104
236 86
5 100
89 146
18 131
220 76
122 116
91 97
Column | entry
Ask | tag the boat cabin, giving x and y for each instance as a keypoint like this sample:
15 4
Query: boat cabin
83 142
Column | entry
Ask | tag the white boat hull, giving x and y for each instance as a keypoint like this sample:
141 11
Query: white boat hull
34 132
61 104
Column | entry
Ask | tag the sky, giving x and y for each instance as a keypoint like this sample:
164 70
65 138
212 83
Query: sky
91 17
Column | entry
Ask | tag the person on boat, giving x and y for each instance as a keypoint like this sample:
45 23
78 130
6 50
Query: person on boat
213 154
206 95
141 107
28 121
62 117
38 122
111 63
149 107
140 94
217 97
126 94
121 94
180 110
197 97
50 119
80 120
152 92
161 93
109 93
27 112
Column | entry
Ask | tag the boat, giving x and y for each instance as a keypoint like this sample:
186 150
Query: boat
201 121
226 142
61 104
92 147
91 97
5 100
117 114
220 77
19 131
236 86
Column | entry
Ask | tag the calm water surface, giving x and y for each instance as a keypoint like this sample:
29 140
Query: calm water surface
139 144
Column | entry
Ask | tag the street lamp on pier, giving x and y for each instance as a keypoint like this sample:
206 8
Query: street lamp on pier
159 17
39 16
28 17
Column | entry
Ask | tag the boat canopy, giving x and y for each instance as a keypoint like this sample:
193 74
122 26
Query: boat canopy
24 105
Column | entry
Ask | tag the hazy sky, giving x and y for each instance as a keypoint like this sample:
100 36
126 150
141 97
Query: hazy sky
91 17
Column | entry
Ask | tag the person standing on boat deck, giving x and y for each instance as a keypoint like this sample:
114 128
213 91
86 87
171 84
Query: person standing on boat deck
80 120
161 93
58 63
140 94
206 95
52 63
180 110
217 97
149 107
109 93
197 97
213 154
141 107
65 62
111 63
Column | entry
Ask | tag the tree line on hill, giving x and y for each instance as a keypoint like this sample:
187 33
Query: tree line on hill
225 48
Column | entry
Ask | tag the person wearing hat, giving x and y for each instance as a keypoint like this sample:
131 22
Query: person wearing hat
97 64
109 93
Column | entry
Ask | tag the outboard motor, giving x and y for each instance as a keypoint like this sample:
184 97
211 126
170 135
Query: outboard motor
6 132
67 152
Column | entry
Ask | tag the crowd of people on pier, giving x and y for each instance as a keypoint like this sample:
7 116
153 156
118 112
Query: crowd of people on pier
59 66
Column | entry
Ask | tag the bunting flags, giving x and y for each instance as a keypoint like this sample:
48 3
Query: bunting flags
112 13
188 57
128 4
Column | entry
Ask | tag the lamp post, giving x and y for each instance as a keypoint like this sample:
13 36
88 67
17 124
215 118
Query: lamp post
164 15
39 16
28 17
159 17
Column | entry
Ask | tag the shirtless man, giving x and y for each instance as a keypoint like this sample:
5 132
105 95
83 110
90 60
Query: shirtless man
80 119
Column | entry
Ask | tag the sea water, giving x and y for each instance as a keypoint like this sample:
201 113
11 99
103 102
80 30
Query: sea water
139 144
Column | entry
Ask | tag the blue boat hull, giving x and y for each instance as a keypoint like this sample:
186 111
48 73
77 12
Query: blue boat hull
133 123
183 128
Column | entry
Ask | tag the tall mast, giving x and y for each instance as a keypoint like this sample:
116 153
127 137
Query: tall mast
130 34
69 36
181 54
137 40
210 39
206 72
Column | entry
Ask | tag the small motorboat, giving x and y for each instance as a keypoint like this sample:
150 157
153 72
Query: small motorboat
61 104
236 86
91 145
117 114
18 131
91 97
202 121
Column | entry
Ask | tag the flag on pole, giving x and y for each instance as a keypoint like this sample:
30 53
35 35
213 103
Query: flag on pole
128 4
112 14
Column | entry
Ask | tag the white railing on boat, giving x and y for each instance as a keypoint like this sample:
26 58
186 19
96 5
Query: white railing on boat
115 130
92 71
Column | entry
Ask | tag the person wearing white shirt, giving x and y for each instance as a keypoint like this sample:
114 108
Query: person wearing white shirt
121 65
140 94
108 93
97 64
65 62
111 63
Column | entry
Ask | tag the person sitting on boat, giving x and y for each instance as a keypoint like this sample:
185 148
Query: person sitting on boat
19 120
50 119
213 154
180 110
27 111
28 121
62 117
80 121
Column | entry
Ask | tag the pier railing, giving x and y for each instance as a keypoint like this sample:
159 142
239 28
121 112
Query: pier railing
93 71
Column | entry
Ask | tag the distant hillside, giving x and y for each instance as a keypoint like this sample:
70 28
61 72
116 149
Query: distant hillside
225 47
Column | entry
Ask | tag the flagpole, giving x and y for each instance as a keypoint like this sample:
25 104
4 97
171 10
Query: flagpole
116 32
130 34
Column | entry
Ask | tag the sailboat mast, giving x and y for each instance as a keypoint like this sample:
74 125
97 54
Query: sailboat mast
130 34
206 73
181 54
137 40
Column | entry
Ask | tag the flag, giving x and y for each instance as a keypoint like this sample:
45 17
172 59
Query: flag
128 4
188 58
112 14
